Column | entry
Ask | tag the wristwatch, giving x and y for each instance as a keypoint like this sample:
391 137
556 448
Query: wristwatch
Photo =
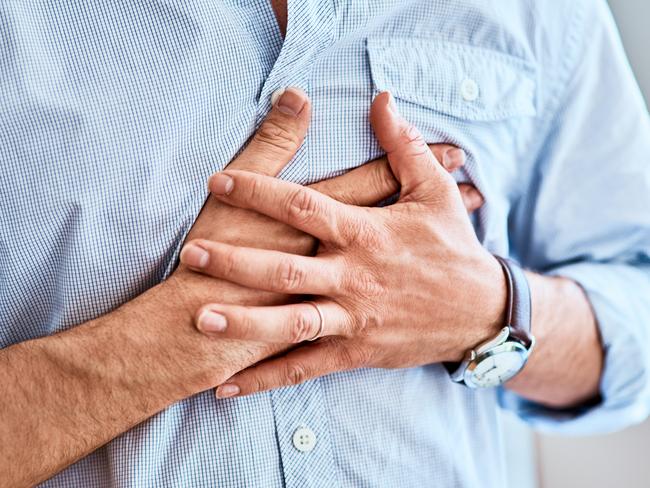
499 359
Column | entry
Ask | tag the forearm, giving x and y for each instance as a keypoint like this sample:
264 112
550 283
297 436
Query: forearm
68 394
566 365
65 395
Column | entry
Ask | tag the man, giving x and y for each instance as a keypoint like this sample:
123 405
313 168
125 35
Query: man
114 115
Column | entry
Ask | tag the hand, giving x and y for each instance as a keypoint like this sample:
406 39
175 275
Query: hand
271 148
399 286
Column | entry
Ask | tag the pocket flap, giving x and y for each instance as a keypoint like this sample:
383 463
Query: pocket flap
459 80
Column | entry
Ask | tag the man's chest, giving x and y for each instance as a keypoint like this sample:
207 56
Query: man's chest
150 95
115 117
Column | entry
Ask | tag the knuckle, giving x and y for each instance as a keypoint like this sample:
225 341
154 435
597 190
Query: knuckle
368 322
413 137
439 152
273 135
368 285
364 233
301 327
257 383
353 355
246 325
301 206
228 262
446 186
295 373
362 283
382 179
288 276
255 189
474 196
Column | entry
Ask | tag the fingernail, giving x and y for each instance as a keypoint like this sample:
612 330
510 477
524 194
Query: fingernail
194 256
275 96
227 391
289 101
210 321
221 184
477 199
453 158
392 106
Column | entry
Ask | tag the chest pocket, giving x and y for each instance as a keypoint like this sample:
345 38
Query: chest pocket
475 98
460 81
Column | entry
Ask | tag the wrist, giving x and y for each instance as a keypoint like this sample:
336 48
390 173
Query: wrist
212 360
190 361
487 307
147 352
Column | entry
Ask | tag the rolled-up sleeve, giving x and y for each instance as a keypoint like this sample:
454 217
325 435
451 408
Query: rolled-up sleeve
586 216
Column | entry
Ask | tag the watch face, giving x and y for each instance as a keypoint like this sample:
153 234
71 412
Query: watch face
497 366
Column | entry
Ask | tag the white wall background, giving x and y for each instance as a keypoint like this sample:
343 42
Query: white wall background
633 18
620 460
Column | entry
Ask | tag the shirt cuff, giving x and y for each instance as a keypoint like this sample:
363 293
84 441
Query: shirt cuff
619 297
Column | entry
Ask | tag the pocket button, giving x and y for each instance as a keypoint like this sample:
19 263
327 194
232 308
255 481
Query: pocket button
469 90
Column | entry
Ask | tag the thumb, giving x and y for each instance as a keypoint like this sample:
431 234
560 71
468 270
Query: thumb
280 136
413 164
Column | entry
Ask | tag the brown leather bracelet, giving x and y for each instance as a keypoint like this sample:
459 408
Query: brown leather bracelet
519 313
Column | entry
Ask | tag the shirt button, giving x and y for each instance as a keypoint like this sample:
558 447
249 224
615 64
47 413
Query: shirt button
304 439
469 90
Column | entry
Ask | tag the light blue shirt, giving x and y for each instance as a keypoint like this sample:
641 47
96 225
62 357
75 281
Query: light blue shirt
114 113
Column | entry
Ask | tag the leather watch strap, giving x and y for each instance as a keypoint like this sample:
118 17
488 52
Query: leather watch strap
518 316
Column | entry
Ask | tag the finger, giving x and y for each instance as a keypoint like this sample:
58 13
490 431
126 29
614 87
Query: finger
297 366
472 198
300 207
374 181
263 269
286 324
451 157
409 157
280 136
363 186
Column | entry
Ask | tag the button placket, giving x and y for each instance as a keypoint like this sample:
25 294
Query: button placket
309 32
304 437
301 420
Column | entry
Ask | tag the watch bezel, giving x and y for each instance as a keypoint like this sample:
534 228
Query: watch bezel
506 347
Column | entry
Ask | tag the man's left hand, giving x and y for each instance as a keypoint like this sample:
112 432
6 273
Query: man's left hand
399 286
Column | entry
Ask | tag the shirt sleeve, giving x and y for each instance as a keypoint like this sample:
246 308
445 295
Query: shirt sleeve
586 216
